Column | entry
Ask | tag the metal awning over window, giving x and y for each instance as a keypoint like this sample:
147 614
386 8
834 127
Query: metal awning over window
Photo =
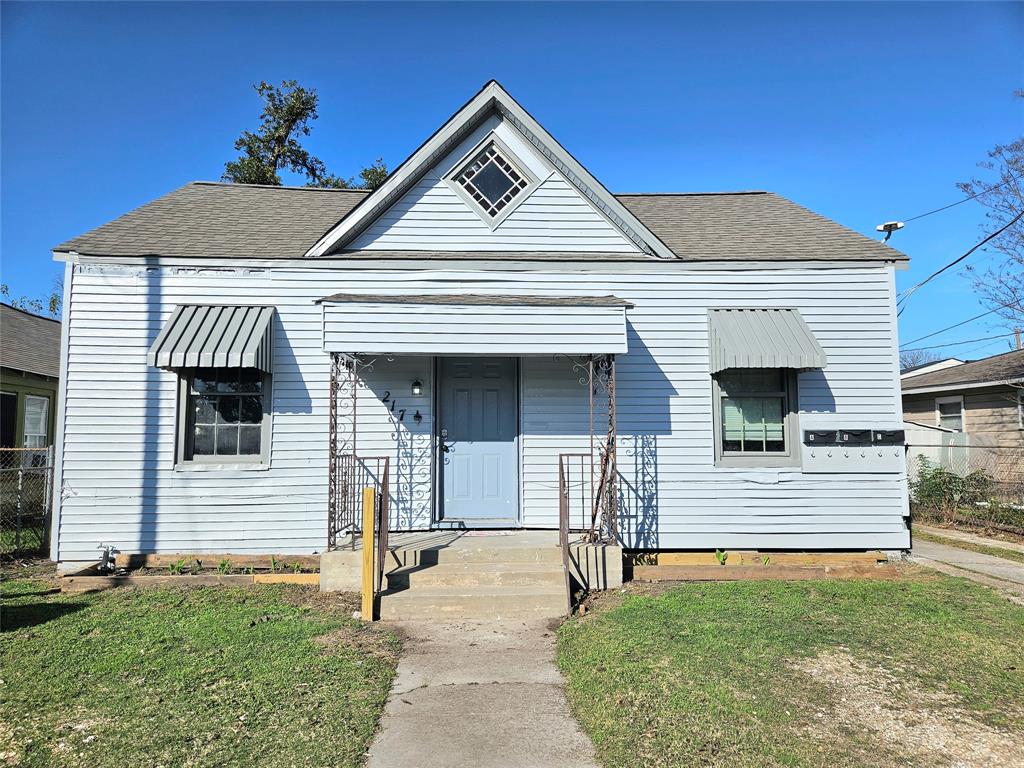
203 336
471 324
761 338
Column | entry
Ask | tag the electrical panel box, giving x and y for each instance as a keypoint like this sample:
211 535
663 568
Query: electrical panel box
853 450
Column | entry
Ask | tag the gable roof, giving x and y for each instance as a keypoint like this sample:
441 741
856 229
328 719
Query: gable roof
29 342
216 220
492 98
998 369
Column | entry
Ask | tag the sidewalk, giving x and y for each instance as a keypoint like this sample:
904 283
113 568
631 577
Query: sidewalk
479 694
970 538
1005 575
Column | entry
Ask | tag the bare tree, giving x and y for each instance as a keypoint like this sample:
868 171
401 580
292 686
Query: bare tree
1001 284
914 357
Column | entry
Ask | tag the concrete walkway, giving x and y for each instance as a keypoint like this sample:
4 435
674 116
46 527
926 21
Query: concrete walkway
1006 575
479 694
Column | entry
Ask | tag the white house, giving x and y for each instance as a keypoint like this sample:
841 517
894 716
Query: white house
699 371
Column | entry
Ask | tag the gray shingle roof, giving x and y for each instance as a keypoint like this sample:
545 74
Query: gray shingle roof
749 226
29 342
1008 366
208 219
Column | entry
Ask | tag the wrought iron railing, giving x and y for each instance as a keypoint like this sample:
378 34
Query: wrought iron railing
586 504
354 473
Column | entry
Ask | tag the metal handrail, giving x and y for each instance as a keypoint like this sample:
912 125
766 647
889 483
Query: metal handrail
566 463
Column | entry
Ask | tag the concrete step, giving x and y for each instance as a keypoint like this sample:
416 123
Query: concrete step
474 603
471 574
404 557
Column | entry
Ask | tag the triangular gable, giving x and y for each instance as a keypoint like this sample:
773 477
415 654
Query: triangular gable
468 125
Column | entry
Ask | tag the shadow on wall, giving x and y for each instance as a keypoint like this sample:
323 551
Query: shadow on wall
289 387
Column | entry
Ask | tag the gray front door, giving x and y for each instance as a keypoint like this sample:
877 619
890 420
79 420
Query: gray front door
477 428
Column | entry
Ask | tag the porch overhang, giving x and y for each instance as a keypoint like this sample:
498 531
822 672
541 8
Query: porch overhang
761 338
474 324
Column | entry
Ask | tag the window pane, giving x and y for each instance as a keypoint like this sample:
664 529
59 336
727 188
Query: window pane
950 409
227 379
753 424
955 423
249 440
203 441
205 380
251 410
227 441
205 409
227 409
748 381
34 424
250 380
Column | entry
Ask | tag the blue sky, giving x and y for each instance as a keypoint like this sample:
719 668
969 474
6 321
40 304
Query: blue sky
862 112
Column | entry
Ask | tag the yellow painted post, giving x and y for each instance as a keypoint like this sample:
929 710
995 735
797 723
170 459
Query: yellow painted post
369 502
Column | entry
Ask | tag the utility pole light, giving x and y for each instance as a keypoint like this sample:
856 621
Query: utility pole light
889 227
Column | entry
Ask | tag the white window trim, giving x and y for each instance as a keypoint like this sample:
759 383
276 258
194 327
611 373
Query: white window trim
259 461
751 460
951 399
532 182
46 419
1020 408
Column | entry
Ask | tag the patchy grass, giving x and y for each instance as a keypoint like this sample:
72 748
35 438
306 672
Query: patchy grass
925 670
188 676
984 549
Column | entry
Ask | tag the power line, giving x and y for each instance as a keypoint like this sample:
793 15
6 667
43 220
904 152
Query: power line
910 291
958 202
957 325
958 343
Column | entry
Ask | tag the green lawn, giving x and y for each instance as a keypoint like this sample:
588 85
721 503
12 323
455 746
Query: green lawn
188 676
846 673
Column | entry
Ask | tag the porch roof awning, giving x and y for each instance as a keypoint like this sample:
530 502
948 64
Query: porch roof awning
761 338
205 336
474 324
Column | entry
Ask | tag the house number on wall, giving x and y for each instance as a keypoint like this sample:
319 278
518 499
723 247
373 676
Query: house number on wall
393 407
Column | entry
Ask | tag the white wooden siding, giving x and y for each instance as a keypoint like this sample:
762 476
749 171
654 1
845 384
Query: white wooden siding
120 487
553 217
455 329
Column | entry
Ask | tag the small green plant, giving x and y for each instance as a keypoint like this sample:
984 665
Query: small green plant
721 556
224 567
177 568
195 567
765 560
273 564
296 567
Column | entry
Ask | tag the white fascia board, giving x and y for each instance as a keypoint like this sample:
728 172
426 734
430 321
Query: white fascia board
491 95
640 263
957 387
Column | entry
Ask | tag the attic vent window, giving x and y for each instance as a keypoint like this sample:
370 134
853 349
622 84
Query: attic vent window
492 181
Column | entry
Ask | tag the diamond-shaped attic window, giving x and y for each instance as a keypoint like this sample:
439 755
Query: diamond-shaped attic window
491 180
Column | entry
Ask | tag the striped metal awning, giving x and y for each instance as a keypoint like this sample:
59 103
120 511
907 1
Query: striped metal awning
204 336
761 338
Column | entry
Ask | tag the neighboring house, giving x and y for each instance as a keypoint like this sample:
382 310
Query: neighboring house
217 335
982 400
935 365
29 372
978 397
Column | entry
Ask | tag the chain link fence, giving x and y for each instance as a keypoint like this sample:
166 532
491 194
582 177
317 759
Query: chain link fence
26 482
974 480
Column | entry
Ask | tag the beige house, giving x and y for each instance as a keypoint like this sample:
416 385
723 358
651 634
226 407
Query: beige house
982 399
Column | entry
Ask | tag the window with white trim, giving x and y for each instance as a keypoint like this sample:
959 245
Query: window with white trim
35 421
949 413
1020 408
226 416
491 180
755 419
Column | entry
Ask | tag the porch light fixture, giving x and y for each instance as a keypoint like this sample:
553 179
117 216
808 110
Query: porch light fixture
417 387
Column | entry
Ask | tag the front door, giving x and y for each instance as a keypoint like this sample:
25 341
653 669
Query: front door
477 429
